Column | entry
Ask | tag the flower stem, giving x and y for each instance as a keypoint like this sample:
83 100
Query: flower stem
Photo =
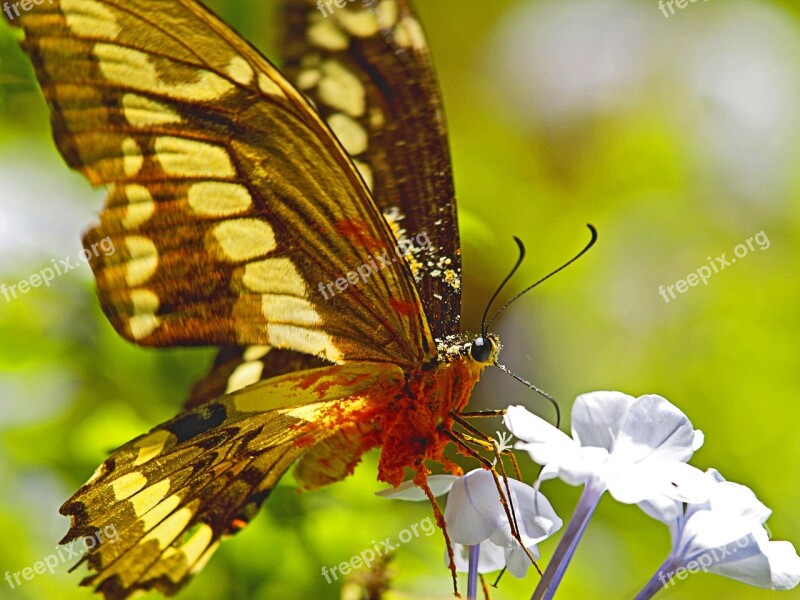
660 579
566 546
472 580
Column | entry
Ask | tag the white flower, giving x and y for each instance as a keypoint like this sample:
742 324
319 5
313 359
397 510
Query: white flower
726 535
636 448
475 516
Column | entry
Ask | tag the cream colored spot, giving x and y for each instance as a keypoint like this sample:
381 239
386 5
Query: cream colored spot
310 341
342 90
358 23
240 71
245 374
155 515
243 239
132 159
387 14
133 69
143 260
89 18
409 34
170 528
268 86
288 309
189 158
274 276
127 485
366 173
144 301
151 446
350 133
255 352
141 206
203 560
217 199
376 117
325 34
149 497
308 79
143 112
193 549
140 326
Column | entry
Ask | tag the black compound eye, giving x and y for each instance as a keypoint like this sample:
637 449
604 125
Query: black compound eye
481 349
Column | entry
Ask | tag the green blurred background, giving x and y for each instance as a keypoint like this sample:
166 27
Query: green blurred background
676 137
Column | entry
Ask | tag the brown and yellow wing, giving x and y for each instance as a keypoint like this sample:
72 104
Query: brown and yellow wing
231 204
368 70
171 495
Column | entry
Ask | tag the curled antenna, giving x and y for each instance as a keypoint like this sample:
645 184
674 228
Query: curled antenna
502 285
542 393
545 278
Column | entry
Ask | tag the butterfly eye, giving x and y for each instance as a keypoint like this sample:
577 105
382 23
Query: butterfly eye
481 349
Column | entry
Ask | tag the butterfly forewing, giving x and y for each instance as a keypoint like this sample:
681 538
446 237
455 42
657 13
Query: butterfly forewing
230 201
368 70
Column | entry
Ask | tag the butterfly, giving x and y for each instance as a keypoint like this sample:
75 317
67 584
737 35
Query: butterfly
244 203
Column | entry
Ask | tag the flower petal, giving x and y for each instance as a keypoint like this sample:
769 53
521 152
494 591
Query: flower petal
474 511
775 567
491 558
408 490
598 416
655 429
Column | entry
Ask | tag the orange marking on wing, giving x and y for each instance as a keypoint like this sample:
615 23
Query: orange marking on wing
406 309
358 232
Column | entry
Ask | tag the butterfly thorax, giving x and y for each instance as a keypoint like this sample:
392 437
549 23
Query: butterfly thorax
415 423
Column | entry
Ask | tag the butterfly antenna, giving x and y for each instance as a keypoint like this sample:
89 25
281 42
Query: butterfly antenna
543 279
541 392
502 285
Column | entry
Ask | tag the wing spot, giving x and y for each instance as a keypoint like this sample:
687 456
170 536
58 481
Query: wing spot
148 498
288 309
217 199
132 159
240 71
310 341
325 34
245 374
366 173
90 18
190 158
155 515
409 34
141 326
144 260
308 79
143 112
127 485
274 276
244 239
132 69
151 446
349 132
358 23
141 206
269 87
170 528
255 352
342 90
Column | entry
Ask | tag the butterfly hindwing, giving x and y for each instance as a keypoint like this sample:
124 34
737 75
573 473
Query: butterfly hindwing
175 492
231 205
367 67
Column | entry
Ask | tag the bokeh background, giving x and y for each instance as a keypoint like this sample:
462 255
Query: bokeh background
677 137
